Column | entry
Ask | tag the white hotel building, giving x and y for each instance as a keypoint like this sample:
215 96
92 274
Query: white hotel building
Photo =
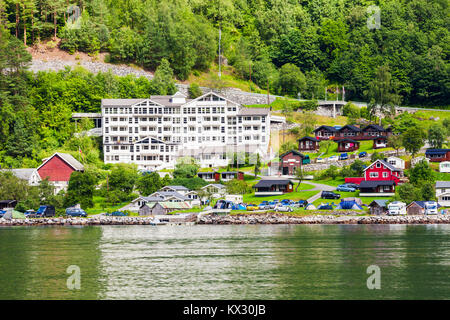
154 132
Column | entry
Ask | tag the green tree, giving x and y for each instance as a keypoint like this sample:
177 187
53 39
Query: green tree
299 175
427 192
395 141
421 173
80 190
163 82
413 140
381 93
406 192
194 91
436 136
236 186
186 168
122 179
149 183
291 80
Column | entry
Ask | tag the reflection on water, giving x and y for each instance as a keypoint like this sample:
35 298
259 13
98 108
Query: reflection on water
226 262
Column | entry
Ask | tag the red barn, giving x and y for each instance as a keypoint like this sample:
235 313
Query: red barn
58 169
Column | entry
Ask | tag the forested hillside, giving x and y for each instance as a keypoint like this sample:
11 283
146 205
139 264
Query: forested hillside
291 45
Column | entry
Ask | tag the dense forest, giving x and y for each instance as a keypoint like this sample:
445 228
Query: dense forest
291 46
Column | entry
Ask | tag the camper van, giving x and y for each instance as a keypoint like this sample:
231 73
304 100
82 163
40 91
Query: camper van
431 207
396 208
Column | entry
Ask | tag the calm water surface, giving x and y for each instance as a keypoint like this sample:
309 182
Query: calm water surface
226 262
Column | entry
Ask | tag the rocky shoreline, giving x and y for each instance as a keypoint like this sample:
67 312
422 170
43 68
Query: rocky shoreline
234 219
322 219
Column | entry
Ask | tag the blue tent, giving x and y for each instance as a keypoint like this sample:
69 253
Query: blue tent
348 205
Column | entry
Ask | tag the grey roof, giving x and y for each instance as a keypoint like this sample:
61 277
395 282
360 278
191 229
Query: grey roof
376 183
437 151
153 199
309 138
217 185
24 174
351 127
177 188
388 165
68 158
168 194
298 153
120 102
380 203
264 183
375 126
329 128
442 184
166 101
254 111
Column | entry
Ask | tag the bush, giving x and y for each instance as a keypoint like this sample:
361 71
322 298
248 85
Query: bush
194 91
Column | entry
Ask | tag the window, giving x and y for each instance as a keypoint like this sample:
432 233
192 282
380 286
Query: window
373 174
385 174
378 165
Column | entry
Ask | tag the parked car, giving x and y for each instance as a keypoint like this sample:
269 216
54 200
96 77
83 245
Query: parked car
362 154
330 195
333 158
75 212
2 212
345 188
300 204
271 205
282 208
352 185
287 202
343 156
320 160
264 205
117 214
45 211
252 207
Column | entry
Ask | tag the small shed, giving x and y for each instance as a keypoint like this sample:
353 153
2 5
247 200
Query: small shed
416 208
308 144
378 207
7 204
162 208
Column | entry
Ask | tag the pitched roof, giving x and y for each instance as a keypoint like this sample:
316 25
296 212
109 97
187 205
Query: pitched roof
442 184
376 183
351 127
68 158
24 174
265 183
333 129
437 151
346 140
309 138
169 205
419 203
294 152
120 102
380 203
216 185
387 165
254 111
182 188
374 126
168 194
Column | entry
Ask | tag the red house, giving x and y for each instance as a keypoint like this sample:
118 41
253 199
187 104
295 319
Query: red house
58 169
379 178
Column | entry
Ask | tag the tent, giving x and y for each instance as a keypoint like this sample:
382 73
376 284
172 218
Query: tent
349 205
357 200
18 215
310 207
325 206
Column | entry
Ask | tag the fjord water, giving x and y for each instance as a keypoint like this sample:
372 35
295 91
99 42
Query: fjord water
226 262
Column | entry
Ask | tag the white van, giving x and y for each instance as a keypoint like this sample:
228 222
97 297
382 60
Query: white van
397 208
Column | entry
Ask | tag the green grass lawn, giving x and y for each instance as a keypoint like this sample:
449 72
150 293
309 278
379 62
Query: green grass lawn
100 206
